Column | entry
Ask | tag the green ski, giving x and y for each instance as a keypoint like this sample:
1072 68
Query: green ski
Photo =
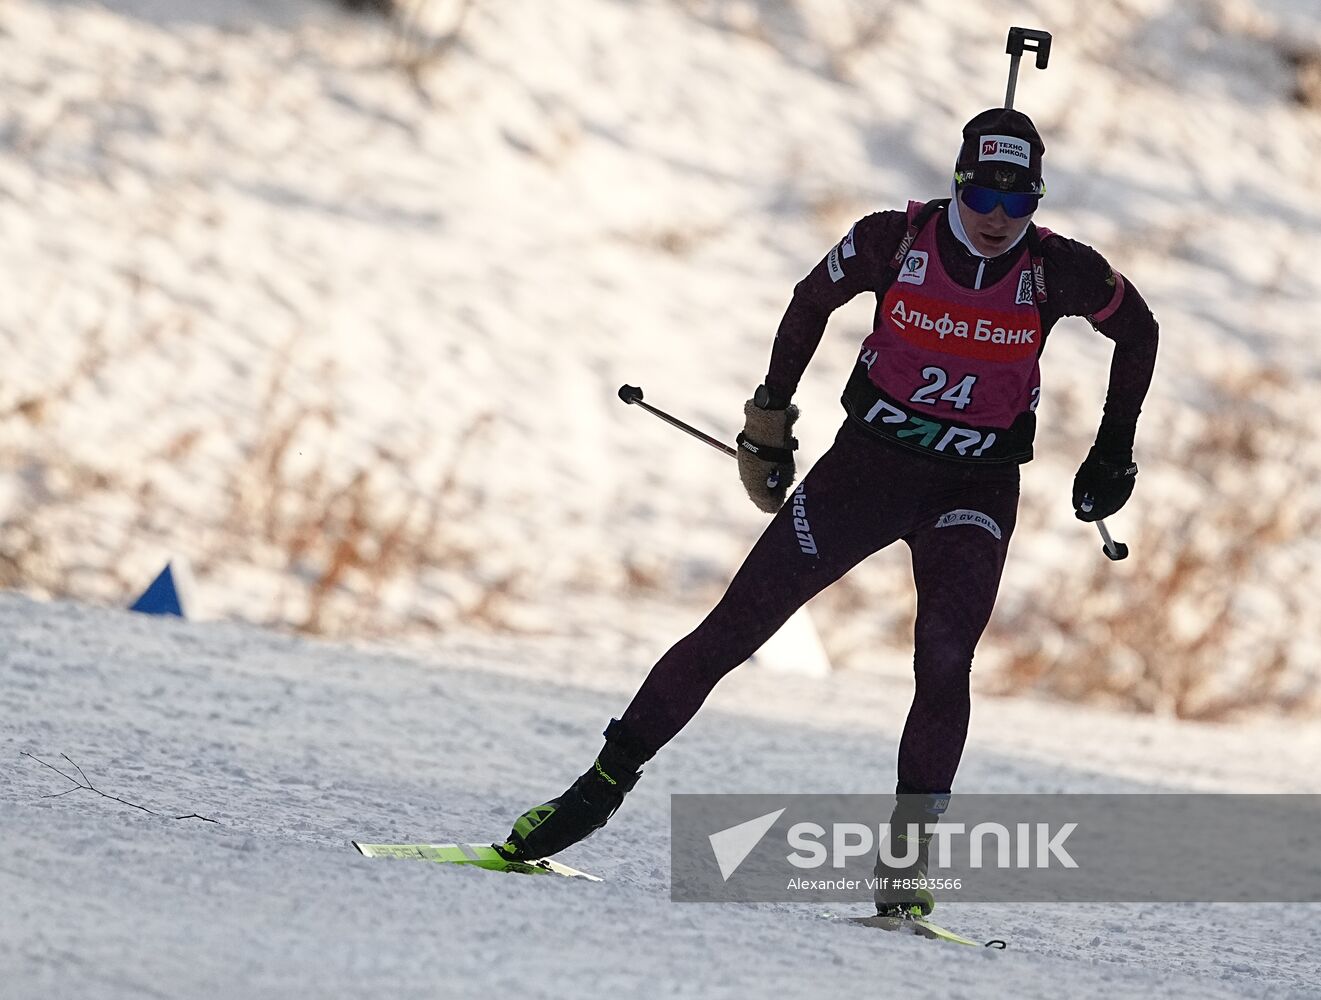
477 855
922 927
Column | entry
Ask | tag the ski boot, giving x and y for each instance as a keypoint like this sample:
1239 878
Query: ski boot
900 890
584 807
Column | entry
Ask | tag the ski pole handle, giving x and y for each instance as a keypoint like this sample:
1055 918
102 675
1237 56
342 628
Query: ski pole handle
1019 39
632 395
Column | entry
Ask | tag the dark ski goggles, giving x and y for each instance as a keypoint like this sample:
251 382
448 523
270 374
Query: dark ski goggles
982 200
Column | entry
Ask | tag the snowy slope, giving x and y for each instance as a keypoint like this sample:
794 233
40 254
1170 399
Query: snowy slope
296 747
350 341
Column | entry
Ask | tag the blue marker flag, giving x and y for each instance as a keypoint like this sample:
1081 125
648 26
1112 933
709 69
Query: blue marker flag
161 598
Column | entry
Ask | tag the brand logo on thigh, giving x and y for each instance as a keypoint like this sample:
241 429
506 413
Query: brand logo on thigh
976 517
803 530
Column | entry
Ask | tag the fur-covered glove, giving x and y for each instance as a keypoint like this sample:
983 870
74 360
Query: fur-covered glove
766 454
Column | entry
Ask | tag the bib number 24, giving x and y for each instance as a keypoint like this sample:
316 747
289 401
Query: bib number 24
960 394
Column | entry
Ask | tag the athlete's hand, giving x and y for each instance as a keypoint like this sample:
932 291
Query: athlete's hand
1103 484
766 452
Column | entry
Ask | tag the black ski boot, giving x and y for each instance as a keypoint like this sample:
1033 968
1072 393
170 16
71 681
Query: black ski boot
584 807
901 889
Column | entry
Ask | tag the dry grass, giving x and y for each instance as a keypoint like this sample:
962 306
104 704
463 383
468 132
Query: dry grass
349 535
1306 64
29 557
424 32
344 537
364 548
1182 630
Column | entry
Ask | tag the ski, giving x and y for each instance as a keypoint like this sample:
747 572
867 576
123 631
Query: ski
923 927
476 855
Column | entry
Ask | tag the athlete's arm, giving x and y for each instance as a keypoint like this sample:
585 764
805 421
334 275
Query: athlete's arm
1081 283
854 265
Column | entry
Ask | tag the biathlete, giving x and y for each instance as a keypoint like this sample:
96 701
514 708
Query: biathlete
941 413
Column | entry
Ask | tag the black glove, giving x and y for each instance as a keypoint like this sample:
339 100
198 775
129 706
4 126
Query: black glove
766 451
1103 484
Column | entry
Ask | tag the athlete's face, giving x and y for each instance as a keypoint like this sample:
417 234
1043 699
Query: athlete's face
991 234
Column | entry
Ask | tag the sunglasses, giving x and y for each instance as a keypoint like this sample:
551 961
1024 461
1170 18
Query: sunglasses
982 200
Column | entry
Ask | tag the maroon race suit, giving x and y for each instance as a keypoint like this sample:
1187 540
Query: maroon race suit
941 411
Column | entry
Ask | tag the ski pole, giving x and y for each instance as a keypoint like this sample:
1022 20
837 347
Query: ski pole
1035 40
1019 39
631 394
1113 550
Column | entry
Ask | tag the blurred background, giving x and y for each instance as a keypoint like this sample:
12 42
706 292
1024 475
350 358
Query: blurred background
331 301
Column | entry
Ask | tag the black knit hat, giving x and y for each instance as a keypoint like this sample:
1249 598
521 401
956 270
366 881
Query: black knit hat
1002 150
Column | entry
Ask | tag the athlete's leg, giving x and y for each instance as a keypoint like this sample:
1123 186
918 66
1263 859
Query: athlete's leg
845 509
958 557
856 499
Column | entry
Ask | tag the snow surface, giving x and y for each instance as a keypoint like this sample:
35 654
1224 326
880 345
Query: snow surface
296 747
263 289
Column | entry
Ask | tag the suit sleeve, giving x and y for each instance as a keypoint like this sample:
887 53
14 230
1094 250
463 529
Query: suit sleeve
855 264
1084 284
